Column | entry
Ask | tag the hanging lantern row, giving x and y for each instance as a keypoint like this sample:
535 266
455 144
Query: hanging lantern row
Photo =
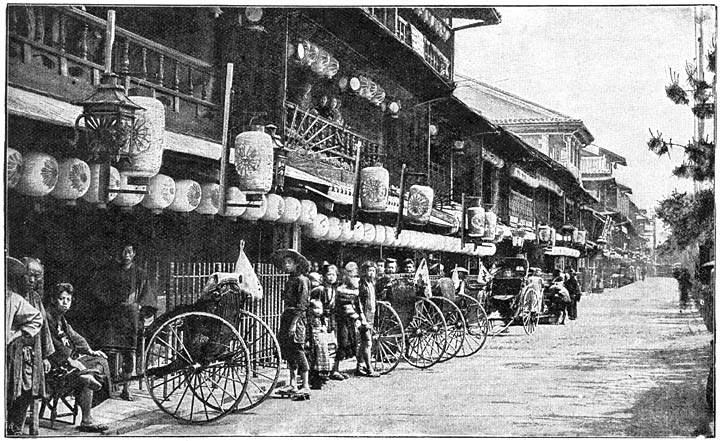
366 234
316 58
365 88
482 224
433 23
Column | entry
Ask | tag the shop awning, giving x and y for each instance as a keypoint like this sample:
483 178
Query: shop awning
563 251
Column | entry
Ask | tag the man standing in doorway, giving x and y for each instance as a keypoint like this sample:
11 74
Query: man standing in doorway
127 297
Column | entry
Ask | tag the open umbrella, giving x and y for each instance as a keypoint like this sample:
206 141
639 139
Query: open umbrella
278 257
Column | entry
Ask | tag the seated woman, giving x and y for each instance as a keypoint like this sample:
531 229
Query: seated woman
76 367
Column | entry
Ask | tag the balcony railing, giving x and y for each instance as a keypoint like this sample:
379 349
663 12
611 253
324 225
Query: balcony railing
60 50
595 166
571 167
324 147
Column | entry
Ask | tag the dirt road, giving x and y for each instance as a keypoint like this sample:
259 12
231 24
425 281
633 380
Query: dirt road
631 365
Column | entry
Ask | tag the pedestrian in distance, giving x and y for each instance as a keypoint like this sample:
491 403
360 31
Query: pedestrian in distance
380 264
559 297
573 287
409 266
366 311
390 266
292 334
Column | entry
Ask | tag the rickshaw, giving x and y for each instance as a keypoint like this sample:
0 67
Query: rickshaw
212 357
511 297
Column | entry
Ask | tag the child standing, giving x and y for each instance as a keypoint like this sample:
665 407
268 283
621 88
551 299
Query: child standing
318 351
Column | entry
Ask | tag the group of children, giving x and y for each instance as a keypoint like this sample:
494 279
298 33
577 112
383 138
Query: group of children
321 311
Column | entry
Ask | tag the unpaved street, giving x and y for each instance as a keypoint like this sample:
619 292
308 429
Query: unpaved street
632 365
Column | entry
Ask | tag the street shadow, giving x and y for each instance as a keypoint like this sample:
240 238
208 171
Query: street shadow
674 406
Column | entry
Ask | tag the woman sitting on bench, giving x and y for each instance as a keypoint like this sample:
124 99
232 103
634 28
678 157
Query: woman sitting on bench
76 367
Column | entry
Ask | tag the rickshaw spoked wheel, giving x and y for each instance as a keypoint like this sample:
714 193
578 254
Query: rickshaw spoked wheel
456 327
477 323
388 342
426 335
196 367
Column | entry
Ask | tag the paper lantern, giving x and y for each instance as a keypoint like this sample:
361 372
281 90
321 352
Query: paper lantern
490 226
210 200
40 174
188 194
160 193
476 221
374 184
254 161
292 211
307 213
379 235
334 229
404 239
358 232
92 195
73 180
146 141
346 232
419 204
389 236
275 208
14 167
553 237
233 195
128 200
257 211
368 234
319 228
486 249
469 248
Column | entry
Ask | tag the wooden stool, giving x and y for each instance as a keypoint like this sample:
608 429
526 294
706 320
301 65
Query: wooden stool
52 404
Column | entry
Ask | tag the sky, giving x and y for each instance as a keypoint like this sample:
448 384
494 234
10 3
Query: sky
607 66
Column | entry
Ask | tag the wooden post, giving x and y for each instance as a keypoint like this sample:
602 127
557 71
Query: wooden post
225 137
356 186
401 207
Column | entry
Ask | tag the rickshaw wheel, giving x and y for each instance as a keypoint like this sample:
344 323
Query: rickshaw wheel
477 323
426 335
265 359
530 310
456 326
387 340
196 367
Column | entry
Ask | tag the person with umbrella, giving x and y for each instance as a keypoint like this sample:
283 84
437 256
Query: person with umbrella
293 332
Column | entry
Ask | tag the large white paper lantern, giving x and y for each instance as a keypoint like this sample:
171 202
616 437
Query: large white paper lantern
419 204
275 208
254 161
358 232
233 195
379 235
476 221
39 176
368 234
334 229
73 180
14 167
320 227
210 200
346 232
93 195
188 194
146 141
160 193
389 236
374 185
403 239
308 212
543 234
128 200
257 211
292 211
490 226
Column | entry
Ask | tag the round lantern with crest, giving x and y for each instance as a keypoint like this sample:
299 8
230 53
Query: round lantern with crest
491 226
275 208
96 192
319 228
358 232
420 203
73 180
160 193
368 234
14 167
476 221
210 200
346 231
188 194
334 229
254 161
374 184
292 211
40 174
308 212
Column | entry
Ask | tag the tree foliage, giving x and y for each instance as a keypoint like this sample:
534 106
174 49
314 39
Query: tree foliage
690 219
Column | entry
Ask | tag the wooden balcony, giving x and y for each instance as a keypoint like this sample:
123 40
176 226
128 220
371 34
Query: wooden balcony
57 51
595 166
